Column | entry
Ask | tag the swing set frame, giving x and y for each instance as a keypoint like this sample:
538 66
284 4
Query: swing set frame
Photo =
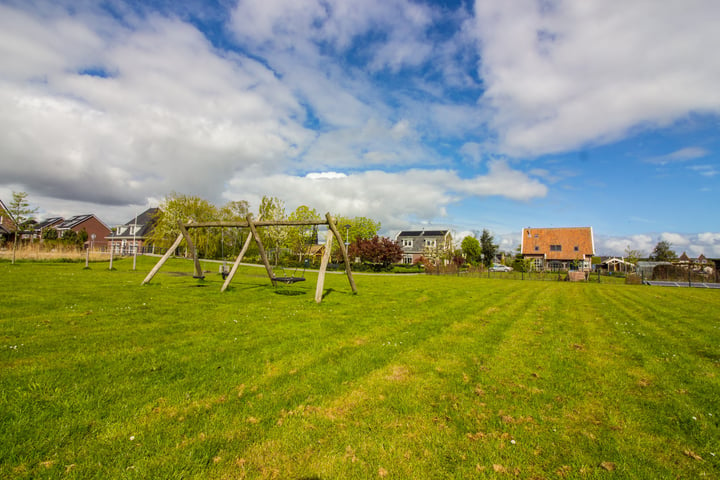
253 226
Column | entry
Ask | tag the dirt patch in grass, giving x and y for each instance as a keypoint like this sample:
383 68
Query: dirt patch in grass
400 373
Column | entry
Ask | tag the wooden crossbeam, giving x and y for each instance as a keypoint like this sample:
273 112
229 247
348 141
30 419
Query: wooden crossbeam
258 223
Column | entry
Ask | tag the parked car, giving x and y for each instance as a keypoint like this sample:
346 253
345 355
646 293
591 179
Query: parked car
500 268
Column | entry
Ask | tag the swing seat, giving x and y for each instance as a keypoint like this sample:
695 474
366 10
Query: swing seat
288 280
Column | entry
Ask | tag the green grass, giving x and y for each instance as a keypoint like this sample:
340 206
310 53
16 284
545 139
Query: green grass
414 377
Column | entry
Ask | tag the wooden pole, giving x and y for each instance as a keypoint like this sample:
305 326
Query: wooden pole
336 232
193 252
164 259
323 267
237 263
261 248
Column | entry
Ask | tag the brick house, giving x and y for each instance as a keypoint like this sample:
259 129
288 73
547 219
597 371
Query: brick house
133 236
556 249
52 222
92 225
7 223
424 243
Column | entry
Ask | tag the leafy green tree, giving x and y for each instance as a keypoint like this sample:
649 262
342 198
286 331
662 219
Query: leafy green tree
354 229
185 208
70 237
471 249
82 237
521 264
488 247
21 214
49 233
360 227
663 252
298 238
232 239
273 237
632 256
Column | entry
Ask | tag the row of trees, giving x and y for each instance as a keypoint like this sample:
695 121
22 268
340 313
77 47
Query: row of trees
481 251
217 242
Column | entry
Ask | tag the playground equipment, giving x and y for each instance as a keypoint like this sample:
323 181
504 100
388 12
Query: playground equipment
253 226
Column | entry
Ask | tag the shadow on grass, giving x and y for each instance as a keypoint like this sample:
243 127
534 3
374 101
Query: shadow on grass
289 293
327 292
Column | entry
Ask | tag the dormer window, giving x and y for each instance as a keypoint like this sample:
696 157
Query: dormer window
556 248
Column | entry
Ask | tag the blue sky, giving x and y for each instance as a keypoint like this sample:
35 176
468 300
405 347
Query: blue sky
466 115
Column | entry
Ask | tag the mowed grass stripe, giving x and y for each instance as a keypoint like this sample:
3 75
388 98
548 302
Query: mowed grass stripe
378 396
667 387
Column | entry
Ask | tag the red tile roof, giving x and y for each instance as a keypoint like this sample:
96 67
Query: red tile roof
538 241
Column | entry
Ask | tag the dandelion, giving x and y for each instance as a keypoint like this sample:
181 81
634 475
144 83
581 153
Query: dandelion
132 437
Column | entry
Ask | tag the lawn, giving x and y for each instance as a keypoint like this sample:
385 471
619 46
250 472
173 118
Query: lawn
414 377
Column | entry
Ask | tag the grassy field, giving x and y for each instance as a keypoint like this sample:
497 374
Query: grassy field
414 377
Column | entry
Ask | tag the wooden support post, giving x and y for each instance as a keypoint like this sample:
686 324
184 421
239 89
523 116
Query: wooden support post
237 263
193 252
261 248
162 260
336 232
323 267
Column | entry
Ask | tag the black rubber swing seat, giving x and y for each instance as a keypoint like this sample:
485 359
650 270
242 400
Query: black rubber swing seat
288 280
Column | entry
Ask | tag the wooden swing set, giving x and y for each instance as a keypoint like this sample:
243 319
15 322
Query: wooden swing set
253 225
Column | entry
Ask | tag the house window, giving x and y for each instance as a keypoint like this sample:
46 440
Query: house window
538 263
556 248
407 259
577 249
407 242
430 243
537 249
555 266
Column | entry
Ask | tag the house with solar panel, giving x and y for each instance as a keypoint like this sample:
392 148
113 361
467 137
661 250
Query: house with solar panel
48 223
97 231
555 249
133 236
431 244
